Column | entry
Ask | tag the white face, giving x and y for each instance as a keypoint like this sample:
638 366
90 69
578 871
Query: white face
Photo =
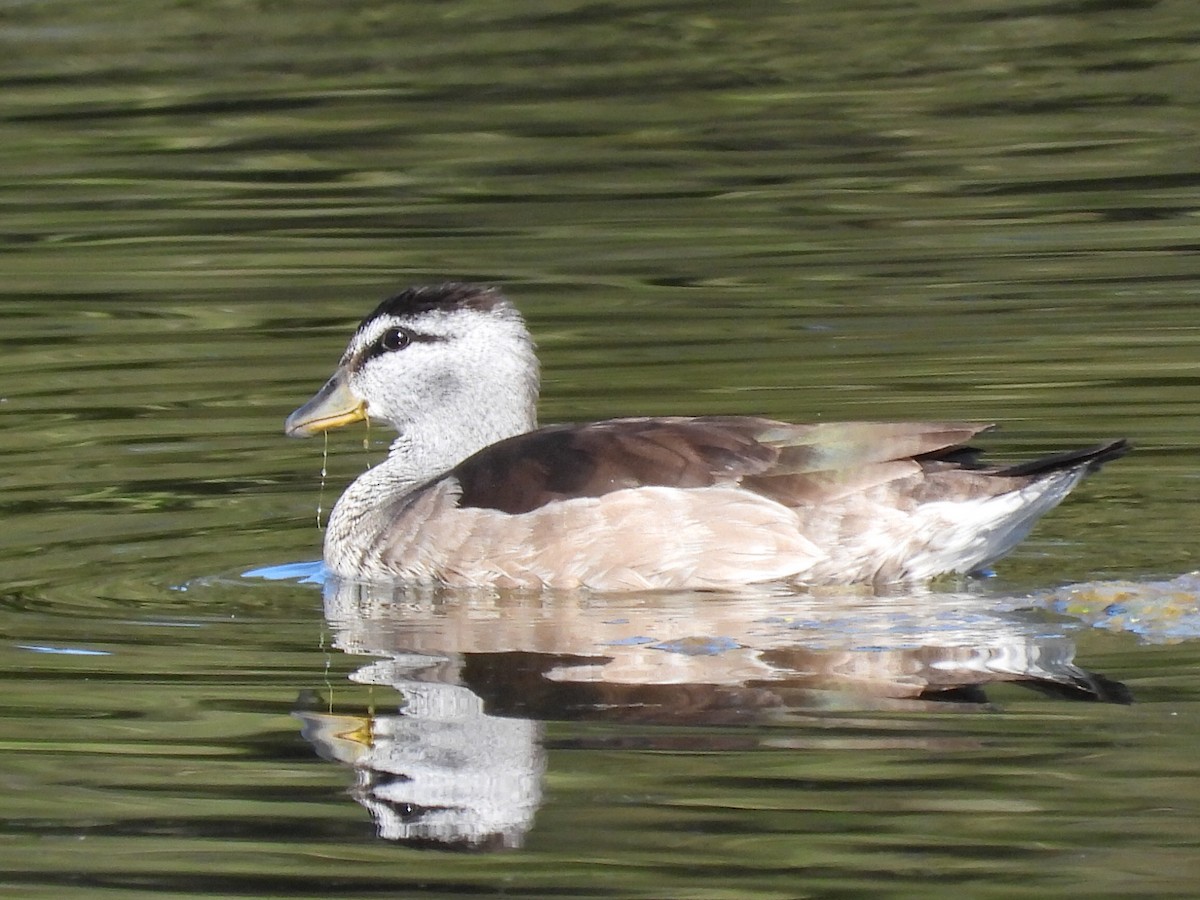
455 368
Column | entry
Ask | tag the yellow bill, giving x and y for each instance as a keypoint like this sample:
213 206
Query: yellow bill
332 407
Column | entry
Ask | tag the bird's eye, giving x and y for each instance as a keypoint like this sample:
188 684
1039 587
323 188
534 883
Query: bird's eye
395 339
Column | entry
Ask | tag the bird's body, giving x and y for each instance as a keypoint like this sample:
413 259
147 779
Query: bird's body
473 493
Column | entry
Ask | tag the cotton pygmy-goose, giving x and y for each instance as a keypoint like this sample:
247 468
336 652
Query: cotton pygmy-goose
473 492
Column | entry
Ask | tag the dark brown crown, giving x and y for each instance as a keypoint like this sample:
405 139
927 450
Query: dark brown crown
447 297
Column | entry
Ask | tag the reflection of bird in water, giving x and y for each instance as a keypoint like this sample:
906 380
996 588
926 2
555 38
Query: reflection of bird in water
460 763
473 493
905 646
442 772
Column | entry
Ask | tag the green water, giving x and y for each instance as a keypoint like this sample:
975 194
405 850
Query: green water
968 210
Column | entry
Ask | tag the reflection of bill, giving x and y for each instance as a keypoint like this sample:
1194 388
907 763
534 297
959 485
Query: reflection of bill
443 770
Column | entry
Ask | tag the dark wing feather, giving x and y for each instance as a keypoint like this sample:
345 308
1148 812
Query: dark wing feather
564 461
559 462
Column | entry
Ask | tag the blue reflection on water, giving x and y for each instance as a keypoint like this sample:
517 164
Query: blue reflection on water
301 572
62 651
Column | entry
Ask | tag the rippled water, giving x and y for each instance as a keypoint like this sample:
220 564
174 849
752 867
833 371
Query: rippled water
974 210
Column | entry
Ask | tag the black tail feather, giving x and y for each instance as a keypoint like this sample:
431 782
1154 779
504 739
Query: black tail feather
1091 457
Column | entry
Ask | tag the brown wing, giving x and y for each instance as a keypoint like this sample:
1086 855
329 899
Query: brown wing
798 463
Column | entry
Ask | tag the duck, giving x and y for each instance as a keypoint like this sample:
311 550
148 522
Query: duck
474 493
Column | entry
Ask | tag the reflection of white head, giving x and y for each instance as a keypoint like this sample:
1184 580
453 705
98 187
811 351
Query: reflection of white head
446 772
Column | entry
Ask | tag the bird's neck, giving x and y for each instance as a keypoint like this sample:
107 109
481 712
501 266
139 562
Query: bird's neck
419 455
429 448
